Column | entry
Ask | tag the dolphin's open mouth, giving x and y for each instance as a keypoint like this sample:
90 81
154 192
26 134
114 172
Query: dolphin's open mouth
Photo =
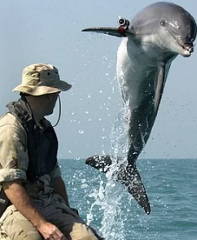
188 49
187 46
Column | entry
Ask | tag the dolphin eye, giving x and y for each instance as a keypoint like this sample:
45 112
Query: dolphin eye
163 22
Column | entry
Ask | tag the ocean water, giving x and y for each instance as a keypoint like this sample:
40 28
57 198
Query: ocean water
172 189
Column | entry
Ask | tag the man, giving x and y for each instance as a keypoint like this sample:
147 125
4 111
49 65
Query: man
34 202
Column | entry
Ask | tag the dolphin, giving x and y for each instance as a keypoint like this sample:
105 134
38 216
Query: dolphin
151 41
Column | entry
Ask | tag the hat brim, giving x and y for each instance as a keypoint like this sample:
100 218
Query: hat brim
39 90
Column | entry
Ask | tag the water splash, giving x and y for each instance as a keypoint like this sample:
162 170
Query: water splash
107 200
109 196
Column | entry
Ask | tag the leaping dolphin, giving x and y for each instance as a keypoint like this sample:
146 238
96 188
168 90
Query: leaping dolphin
151 41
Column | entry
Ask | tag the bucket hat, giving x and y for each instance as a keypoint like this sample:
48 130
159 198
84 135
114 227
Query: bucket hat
39 79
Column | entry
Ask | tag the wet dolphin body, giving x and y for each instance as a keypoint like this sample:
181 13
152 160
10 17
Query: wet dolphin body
151 41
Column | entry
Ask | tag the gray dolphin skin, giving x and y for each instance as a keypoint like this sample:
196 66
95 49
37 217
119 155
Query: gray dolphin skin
151 41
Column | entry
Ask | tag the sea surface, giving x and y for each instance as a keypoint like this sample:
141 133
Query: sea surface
172 189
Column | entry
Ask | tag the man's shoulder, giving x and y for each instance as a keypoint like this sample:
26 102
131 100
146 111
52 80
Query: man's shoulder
8 120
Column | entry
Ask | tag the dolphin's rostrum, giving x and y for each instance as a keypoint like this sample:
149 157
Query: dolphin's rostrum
151 41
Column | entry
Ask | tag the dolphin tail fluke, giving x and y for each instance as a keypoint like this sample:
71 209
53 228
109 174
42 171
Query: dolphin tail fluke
128 176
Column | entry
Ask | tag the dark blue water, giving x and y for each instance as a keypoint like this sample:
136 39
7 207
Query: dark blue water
172 189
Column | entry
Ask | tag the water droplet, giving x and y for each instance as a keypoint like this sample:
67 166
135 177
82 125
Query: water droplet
81 131
84 185
83 180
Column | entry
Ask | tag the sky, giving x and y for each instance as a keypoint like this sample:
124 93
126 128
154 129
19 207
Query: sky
49 31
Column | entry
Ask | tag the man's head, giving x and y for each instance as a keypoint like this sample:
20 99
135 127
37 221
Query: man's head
41 86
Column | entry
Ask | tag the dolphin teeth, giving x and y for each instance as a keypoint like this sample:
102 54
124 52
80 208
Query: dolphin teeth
188 47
